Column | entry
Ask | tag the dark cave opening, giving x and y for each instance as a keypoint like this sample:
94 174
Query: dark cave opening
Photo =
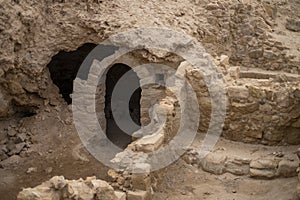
113 132
64 67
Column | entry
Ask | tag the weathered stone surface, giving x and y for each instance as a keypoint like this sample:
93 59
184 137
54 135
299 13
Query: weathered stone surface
224 60
120 195
234 72
238 92
263 168
149 143
38 193
293 25
59 188
263 163
237 166
78 190
58 182
11 161
141 181
262 173
138 195
257 53
288 167
214 163
18 148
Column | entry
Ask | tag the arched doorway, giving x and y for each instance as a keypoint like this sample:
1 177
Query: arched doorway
113 132
63 69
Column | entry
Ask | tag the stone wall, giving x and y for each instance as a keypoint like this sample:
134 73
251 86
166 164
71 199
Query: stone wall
262 106
268 163
60 188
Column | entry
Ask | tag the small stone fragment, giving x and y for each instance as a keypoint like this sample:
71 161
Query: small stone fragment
31 170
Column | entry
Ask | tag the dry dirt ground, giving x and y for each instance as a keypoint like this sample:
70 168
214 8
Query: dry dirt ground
56 150
183 182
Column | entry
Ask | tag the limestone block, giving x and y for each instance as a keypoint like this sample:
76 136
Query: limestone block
234 72
141 181
214 163
288 168
224 60
244 108
257 53
263 168
258 134
262 173
138 195
256 92
58 182
212 6
238 92
120 195
263 163
237 166
149 143
78 190
38 193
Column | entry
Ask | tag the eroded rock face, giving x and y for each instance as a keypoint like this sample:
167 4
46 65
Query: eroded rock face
34 31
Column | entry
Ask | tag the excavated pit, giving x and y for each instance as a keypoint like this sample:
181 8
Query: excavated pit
255 45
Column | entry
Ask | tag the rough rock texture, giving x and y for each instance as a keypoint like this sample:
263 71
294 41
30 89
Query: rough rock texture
59 188
34 31
14 141
268 163
262 106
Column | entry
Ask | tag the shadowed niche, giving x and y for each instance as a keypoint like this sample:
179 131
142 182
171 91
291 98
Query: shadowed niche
113 132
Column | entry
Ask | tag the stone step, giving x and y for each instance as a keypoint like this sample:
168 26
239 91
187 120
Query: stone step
254 73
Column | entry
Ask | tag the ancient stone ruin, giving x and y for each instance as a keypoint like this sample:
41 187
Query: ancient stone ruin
52 108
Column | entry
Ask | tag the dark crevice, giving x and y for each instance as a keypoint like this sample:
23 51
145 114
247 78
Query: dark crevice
113 132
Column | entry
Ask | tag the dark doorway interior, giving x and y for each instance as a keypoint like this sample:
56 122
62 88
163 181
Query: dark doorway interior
113 132
64 67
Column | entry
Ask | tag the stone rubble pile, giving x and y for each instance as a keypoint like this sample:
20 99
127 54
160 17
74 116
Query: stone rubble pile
14 143
123 186
137 186
58 188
